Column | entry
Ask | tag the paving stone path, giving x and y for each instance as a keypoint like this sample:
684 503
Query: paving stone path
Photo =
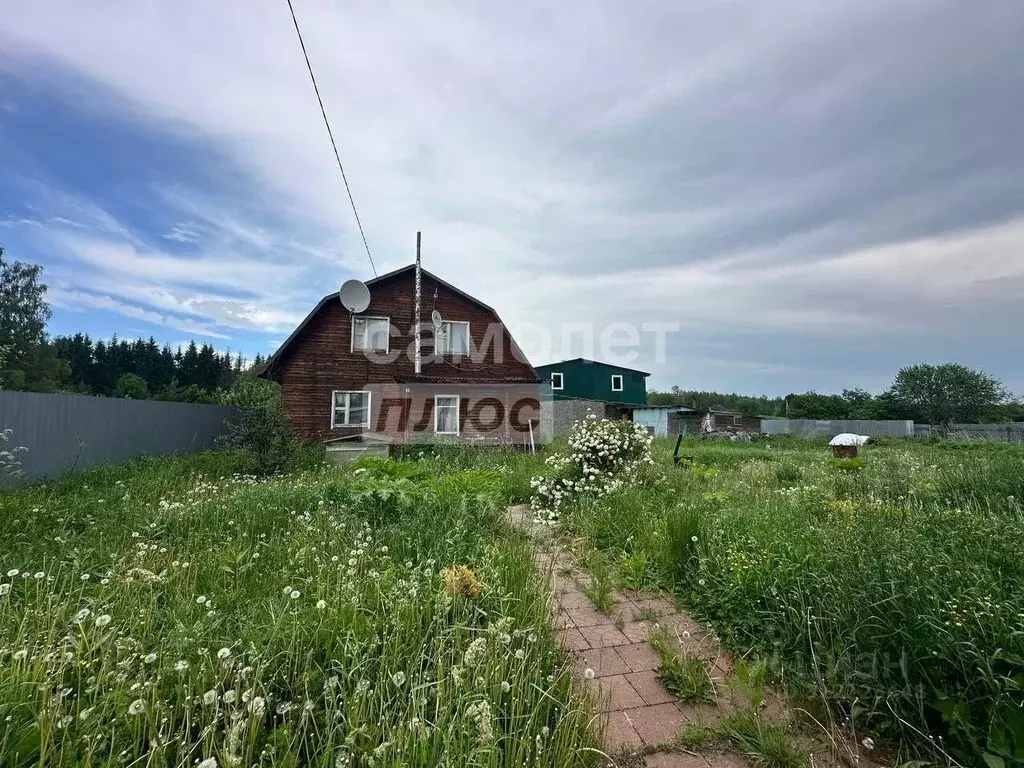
614 660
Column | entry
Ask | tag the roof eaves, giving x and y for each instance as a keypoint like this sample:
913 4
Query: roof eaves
594 362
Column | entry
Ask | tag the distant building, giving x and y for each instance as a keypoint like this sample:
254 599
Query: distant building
580 387
662 420
582 379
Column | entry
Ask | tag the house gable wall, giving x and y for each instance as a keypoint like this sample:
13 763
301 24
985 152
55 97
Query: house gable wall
320 360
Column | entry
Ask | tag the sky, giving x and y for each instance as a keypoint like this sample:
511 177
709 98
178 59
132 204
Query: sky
816 193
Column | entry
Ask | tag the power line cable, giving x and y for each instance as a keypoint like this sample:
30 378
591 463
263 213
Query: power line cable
330 134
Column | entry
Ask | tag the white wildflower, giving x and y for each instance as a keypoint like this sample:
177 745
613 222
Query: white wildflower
137 707
102 620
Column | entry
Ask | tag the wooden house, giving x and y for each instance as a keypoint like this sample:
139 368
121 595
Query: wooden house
344 375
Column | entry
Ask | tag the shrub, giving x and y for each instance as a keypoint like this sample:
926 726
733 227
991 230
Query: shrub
131 387
10 464
262 427
602 457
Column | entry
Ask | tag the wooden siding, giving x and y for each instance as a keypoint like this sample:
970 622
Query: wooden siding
320 360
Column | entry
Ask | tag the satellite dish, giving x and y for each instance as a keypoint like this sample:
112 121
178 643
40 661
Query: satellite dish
354 295
435 318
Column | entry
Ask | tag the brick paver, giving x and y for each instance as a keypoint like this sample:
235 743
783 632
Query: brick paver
650 690
675 760
614 661
640 657
603 662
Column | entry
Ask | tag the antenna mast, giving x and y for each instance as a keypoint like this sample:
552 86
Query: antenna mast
416 331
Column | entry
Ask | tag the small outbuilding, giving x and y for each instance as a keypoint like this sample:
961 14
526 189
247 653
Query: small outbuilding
660 420
846 444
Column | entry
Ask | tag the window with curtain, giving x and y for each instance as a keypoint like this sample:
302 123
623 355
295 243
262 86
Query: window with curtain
351 409
446 414
370 334
453 338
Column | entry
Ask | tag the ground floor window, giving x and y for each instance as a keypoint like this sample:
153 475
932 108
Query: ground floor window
446 414
350 409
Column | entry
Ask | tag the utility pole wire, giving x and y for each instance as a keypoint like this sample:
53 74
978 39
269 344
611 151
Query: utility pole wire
330 134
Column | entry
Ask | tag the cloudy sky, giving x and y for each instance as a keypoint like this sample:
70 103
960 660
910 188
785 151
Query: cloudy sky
817 192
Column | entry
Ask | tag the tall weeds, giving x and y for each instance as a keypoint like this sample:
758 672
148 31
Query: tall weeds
894 587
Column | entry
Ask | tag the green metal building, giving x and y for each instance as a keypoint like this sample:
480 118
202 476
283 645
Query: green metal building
582 379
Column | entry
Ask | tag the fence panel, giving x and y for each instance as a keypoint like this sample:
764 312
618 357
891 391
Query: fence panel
65 432
1011 433
833 427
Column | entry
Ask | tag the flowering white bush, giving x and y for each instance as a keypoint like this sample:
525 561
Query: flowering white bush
10 464
603 456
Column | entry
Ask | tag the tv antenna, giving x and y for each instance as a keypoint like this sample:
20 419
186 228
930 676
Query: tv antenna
354 295
435 318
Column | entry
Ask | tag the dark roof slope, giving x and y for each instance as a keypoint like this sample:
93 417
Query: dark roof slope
369 284
592 362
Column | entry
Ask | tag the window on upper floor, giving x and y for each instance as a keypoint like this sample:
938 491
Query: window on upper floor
452 338
370 334
350 409
556 380
616 382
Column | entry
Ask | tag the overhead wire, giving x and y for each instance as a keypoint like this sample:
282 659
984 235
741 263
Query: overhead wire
330 134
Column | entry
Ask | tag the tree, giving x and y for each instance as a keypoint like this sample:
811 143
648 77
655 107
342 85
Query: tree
947 393
30 362
262 425
132 387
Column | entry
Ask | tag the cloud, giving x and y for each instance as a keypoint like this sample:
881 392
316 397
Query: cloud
70 298
826 189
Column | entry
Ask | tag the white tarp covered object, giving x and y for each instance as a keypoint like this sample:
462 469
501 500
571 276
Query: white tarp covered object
848 438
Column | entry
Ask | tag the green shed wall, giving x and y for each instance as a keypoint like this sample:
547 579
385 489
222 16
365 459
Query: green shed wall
593 381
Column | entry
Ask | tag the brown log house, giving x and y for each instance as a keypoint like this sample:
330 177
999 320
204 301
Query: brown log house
349 375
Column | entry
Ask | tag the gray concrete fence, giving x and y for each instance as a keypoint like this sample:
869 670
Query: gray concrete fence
1013 433
833 427
63 432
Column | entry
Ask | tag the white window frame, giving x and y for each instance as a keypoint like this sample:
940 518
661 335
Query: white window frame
348 405
621 382
458 412
561 380
352 334
440 350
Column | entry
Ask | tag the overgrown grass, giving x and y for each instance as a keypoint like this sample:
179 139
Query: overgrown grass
688 679
893 586
171 612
